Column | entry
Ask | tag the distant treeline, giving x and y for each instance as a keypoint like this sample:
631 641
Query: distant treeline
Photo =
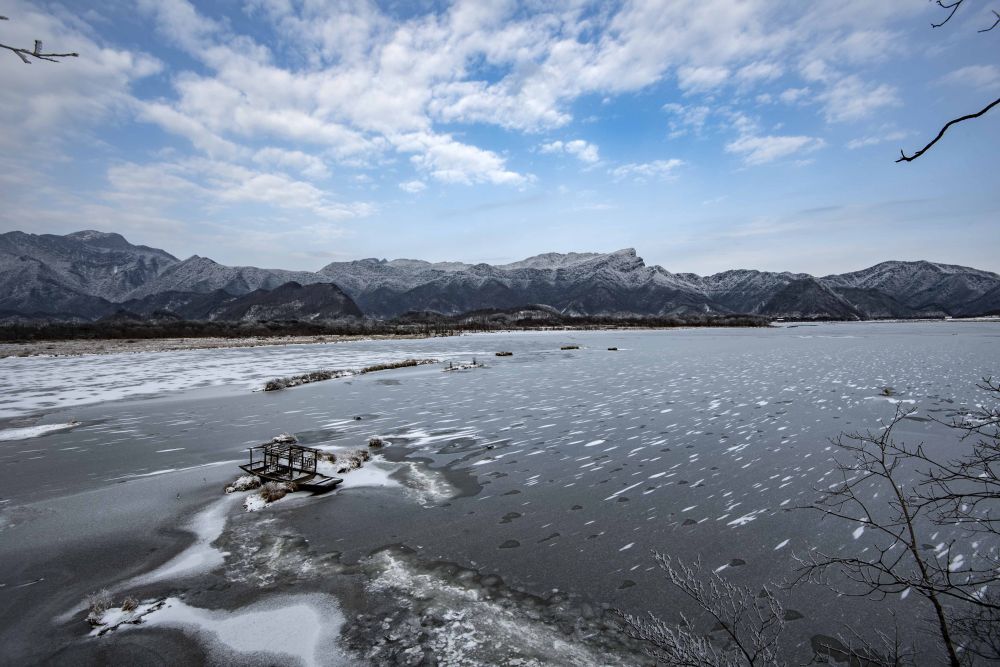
430 324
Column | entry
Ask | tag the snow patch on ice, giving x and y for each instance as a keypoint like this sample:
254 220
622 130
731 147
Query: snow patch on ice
201 556
34 431
304 628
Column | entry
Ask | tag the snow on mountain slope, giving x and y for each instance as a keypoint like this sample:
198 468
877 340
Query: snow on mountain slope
88 262
201 274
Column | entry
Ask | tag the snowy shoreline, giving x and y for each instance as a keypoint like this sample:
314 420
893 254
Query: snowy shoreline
101 346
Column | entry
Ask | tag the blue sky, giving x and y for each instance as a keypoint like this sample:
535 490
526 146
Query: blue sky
708 135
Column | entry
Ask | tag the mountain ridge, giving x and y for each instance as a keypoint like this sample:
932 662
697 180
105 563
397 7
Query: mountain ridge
89 274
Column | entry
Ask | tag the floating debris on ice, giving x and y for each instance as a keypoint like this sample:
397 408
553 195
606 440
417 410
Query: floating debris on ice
319 376
452 366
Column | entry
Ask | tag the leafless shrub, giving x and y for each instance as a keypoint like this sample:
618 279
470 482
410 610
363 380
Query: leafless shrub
751 623
960 494
376 442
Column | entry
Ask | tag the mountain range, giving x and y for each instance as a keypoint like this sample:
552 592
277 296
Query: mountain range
90 275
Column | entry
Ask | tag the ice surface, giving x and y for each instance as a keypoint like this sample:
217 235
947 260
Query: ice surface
201 556
299 628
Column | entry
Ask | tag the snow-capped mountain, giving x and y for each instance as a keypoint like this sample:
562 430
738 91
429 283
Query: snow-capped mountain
615 283
201 274
924 286
88 275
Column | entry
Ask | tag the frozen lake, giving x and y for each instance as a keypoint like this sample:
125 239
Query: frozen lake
555 472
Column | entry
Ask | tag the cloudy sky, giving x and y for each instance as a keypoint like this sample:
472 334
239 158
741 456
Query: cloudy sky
708 135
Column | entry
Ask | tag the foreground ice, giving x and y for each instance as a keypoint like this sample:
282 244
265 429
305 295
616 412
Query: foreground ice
302 629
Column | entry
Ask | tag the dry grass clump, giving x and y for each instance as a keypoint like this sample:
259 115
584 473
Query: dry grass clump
505 354
353 460
376 442
570 347
273 491
98 603
329 457
130 604
244 483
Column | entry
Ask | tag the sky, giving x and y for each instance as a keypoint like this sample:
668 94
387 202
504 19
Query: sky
707 135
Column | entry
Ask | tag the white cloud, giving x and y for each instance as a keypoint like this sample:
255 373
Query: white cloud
756 150
643 171
686 118
874 140
374 83
701 79
344 84
306 164
793 95
582 150
188 127
413 187
759 71
451 161
849 99
170 185
981 77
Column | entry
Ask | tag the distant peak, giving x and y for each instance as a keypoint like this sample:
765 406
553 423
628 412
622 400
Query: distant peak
198 259
94 235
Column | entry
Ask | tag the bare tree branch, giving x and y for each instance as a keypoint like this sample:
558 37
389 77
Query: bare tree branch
909 158
995 22
876 457
951 8
26 54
